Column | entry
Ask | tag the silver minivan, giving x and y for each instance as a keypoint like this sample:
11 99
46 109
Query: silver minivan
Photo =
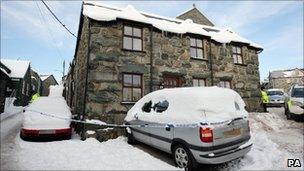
206 125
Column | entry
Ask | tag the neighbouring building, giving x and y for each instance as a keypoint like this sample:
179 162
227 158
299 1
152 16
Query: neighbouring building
122 54
47 81
284 79
36 82
20 81
4 83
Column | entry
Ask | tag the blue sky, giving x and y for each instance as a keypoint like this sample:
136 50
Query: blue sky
28 34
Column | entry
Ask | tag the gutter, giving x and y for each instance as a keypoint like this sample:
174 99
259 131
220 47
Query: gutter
151 59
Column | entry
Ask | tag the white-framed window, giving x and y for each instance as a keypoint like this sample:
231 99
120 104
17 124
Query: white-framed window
196 48
197 82
225 84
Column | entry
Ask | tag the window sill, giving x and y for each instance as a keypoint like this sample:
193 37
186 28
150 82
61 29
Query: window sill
129 50
240 64
127 103
199 59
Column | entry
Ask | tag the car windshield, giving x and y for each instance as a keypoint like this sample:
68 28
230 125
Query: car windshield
272 93
297 92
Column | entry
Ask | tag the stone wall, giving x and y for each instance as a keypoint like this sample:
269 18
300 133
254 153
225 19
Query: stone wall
80 69
285 82
171 55
196 16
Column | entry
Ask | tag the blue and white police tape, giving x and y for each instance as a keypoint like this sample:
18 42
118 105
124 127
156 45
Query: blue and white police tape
100 123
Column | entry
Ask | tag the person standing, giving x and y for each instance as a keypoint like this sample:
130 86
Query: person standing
264 98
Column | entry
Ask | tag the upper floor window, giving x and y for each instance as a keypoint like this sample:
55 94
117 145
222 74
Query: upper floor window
198 82
225 84
196 48
237 55
132 38
132 87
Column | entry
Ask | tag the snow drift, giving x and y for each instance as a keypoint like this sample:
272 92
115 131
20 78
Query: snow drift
53 104
191 106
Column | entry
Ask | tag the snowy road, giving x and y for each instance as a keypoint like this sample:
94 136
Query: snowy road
275 140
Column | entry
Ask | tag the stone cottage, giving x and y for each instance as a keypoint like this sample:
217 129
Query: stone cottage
36 82
284 79
122 54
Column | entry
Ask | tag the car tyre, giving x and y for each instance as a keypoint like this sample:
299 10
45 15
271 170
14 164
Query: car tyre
130 139
183 158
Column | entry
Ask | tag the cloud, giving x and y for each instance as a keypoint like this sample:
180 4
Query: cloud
241 14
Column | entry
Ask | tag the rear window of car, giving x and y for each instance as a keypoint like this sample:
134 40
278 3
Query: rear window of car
272 93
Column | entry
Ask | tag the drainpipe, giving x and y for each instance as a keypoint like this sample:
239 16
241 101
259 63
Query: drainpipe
151 59
87 74
211 63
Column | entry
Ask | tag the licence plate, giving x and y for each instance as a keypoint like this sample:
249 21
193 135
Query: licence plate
47 132
232 133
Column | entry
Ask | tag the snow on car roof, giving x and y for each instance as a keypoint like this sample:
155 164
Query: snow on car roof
100 12
191 105
18 67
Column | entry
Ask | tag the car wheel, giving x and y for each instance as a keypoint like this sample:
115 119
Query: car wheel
131 140
184 158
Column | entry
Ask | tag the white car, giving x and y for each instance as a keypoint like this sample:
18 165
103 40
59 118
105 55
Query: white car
40 127
295 103
196 125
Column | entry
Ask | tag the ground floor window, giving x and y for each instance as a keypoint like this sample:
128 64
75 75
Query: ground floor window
132 87
225 84
198 82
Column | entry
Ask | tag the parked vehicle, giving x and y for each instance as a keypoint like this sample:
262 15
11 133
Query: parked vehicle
41 127
276 98
221 132
295 103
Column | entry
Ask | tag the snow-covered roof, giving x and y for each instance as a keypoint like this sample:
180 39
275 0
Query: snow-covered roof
18 67
44 77
101 12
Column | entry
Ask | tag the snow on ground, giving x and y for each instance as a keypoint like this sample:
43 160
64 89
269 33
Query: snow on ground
275 140
76 154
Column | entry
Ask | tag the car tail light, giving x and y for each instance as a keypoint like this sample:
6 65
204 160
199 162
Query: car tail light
206 134
32 132
63 131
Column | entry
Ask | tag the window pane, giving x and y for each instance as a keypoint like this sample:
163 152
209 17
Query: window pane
221 84
127 80
199 53
199 43
192 42
195 82
128 30
238 50
193 52
240 61
137 44
136 32
227 84
235 58
136 94
127 43
233 49
136 81
202 83
127 94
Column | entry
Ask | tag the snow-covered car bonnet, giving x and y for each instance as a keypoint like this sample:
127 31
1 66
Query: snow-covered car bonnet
191 105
